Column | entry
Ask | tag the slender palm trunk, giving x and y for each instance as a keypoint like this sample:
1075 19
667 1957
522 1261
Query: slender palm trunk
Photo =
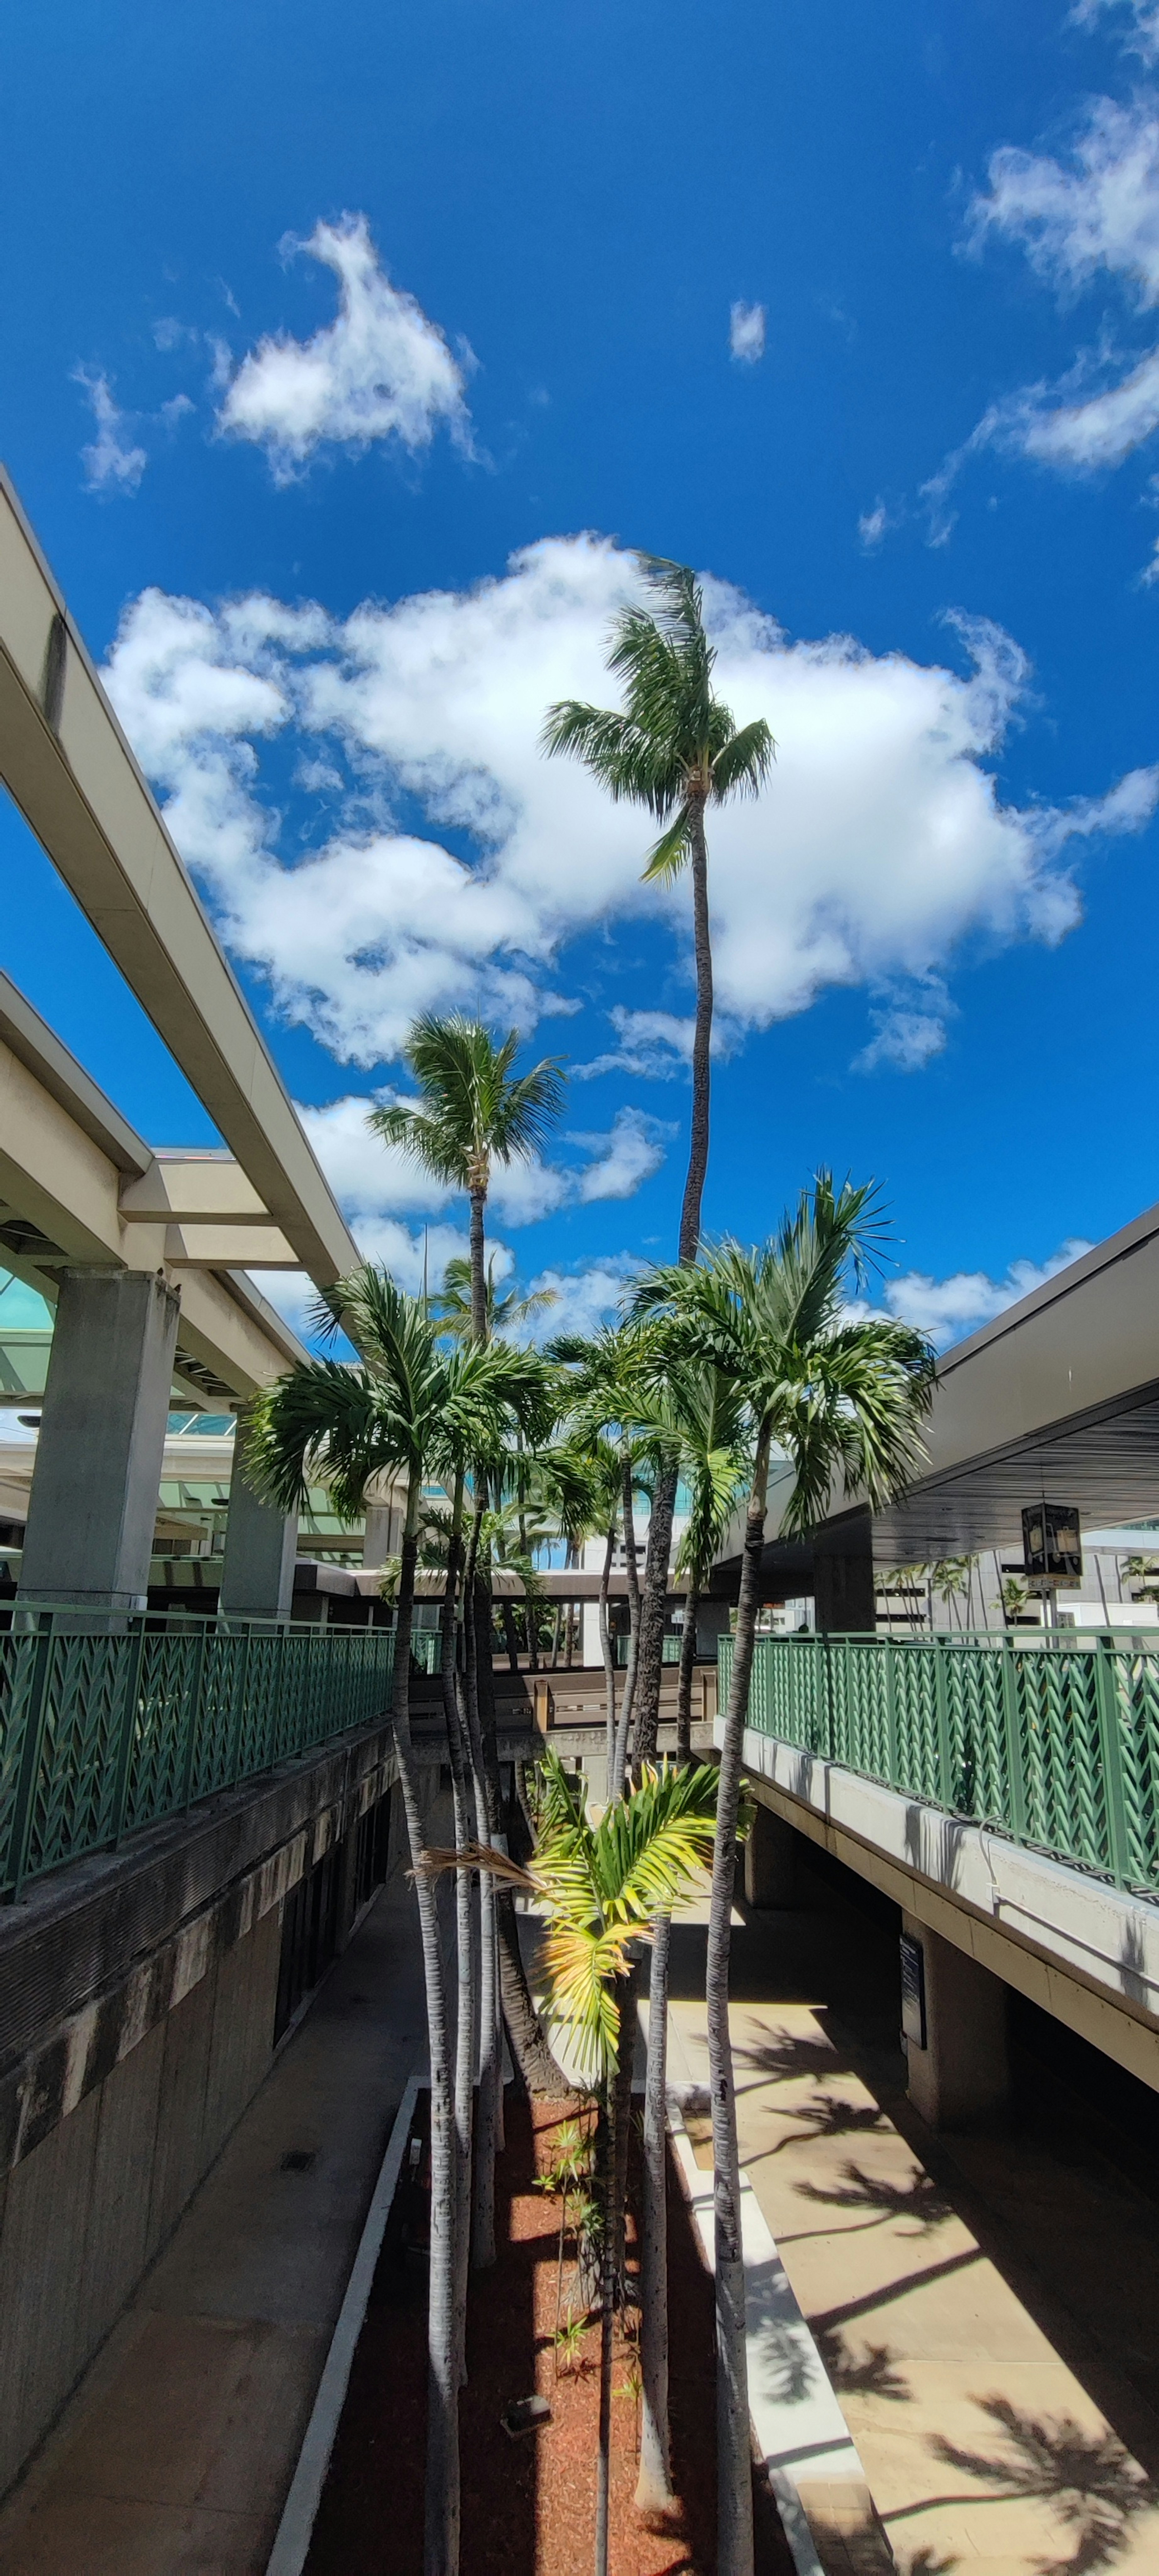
609 1658
654 1616
734 2553
556 1625
605 2157
684 1679
441 2543
702 1037
478 1198
654 2489
466 1830
483 2191
627 1990
627 1704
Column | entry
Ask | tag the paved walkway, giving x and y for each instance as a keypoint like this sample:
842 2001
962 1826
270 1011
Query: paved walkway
986 2308
175 2454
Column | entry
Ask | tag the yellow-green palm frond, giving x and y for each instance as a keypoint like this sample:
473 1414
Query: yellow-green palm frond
581 1967
648 1848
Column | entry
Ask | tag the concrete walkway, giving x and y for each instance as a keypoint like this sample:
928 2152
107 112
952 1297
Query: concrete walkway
176 2451
986 2308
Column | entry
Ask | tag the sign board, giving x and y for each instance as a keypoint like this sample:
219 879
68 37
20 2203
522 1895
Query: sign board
1051 1544
913 1990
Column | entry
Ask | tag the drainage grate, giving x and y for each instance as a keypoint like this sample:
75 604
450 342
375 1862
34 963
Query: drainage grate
299 2159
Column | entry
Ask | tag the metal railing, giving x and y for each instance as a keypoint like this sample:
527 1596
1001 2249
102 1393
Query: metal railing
1053 1741
102 1734
622 1647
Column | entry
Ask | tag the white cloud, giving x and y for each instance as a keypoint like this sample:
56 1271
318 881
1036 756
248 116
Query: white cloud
1142 34
625 1159
874 525
110 464
382 370
746 332
879 843
585 1298
950 1309
909 1030
654 1044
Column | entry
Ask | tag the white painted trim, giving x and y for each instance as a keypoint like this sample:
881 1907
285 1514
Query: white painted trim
299 2513
802 2434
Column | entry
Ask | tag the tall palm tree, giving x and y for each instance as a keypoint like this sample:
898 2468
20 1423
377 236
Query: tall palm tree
607 1387
844 1401
675 749
598 1888
507 1309
472 1112
408 1405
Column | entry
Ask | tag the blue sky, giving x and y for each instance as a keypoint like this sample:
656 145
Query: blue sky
367 317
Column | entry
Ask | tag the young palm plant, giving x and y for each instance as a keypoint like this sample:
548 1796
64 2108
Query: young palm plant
843 1400
408 1405
472 1112
507 1309
675 749
598 1888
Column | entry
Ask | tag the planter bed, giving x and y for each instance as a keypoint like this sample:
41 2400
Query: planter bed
529 2501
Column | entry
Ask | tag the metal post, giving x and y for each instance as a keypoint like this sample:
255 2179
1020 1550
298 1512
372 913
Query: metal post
34 1722
134 1660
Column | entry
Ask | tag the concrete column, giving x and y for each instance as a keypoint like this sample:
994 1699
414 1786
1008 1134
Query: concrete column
95 1486
261 1542
961 2078
712 1618
770 1861
380 1534
843 1586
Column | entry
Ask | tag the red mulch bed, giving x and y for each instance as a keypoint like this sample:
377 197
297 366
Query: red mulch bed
528 2503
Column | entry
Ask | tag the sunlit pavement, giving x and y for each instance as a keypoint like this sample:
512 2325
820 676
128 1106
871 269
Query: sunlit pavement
985 2306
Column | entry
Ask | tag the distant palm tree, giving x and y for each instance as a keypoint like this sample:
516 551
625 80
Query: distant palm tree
472 1112
606 1388
844 1401
507 1310
407 1405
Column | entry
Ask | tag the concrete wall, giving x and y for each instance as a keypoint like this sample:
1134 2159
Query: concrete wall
137 1999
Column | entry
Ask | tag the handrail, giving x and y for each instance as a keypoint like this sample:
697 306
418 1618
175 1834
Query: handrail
1053 1740
103 1732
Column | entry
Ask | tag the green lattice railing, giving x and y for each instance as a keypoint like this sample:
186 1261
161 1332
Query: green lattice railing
102 1734
1054 1742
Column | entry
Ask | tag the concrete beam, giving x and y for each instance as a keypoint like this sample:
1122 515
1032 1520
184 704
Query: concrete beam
68 766
192 1189
257 1575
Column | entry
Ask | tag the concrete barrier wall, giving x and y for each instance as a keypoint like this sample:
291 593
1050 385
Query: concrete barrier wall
129 2062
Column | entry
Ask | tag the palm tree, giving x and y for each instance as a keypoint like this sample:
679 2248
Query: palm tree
472 1112
506 1310
408 1405
844 1401
607 1389
675 749
598 1888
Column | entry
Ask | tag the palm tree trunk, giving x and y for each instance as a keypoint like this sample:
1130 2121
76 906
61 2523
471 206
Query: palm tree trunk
654 1617
684 1680
466 1831
441 2542
556 1624
654 2488
510 1635
478 1267
609 1658
702 1037
734 2555
483 2192
627 1989
529 2046
605 2150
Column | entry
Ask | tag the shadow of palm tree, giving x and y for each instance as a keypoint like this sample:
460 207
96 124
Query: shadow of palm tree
875 2375
1094 2486
925 2562
828 2118
787 2059
920 2200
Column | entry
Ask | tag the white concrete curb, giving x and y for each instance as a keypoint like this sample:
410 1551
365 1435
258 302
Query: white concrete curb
288 2555
798 2423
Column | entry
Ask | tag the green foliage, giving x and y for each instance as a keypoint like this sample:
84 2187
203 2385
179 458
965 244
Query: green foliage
507 1311
675 746
472 1109
841 1396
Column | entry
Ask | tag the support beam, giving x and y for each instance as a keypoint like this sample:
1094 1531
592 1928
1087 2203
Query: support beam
961 2078
257 1575
770 1861
102 1439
